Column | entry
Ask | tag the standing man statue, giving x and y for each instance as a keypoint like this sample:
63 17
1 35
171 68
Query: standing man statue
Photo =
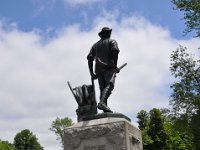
105 54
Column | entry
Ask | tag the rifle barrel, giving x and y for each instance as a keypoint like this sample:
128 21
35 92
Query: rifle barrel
122 66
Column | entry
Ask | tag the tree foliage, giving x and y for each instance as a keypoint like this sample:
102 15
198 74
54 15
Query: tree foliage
178 139
156 131
185 98
164 131
186 89
153 132
25 140
143 118
179 133
4 145
195 127
58 127
143 121
191 10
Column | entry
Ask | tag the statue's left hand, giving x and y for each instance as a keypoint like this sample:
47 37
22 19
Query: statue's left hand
94 76
117 70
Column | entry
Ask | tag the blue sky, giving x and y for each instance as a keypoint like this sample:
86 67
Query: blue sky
44 44
43 14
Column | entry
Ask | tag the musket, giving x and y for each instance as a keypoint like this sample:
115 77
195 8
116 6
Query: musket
122 66
114 75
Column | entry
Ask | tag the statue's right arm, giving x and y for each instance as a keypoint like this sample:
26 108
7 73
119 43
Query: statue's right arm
90 59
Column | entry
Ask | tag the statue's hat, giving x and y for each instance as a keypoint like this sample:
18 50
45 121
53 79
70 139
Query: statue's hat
105 30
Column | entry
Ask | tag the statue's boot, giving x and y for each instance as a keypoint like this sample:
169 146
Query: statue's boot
102 105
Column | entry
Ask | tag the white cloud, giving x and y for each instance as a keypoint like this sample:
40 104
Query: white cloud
33 89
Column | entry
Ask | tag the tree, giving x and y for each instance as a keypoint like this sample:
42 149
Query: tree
58 127
195 127
178 140
185 96
179 133
191 10
154 135
156 131
143 121
25 140
4 145
143 118
186 90
162 126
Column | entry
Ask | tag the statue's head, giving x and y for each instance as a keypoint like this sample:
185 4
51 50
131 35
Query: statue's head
105 32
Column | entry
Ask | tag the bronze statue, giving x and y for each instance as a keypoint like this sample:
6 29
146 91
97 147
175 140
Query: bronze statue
105 54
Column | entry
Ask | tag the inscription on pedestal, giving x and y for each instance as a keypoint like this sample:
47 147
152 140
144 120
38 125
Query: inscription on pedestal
95 147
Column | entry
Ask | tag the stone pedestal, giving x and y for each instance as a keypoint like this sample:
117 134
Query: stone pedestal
103 134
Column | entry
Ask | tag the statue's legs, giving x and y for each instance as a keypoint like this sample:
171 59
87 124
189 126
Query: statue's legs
106 93
106 84
103 100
